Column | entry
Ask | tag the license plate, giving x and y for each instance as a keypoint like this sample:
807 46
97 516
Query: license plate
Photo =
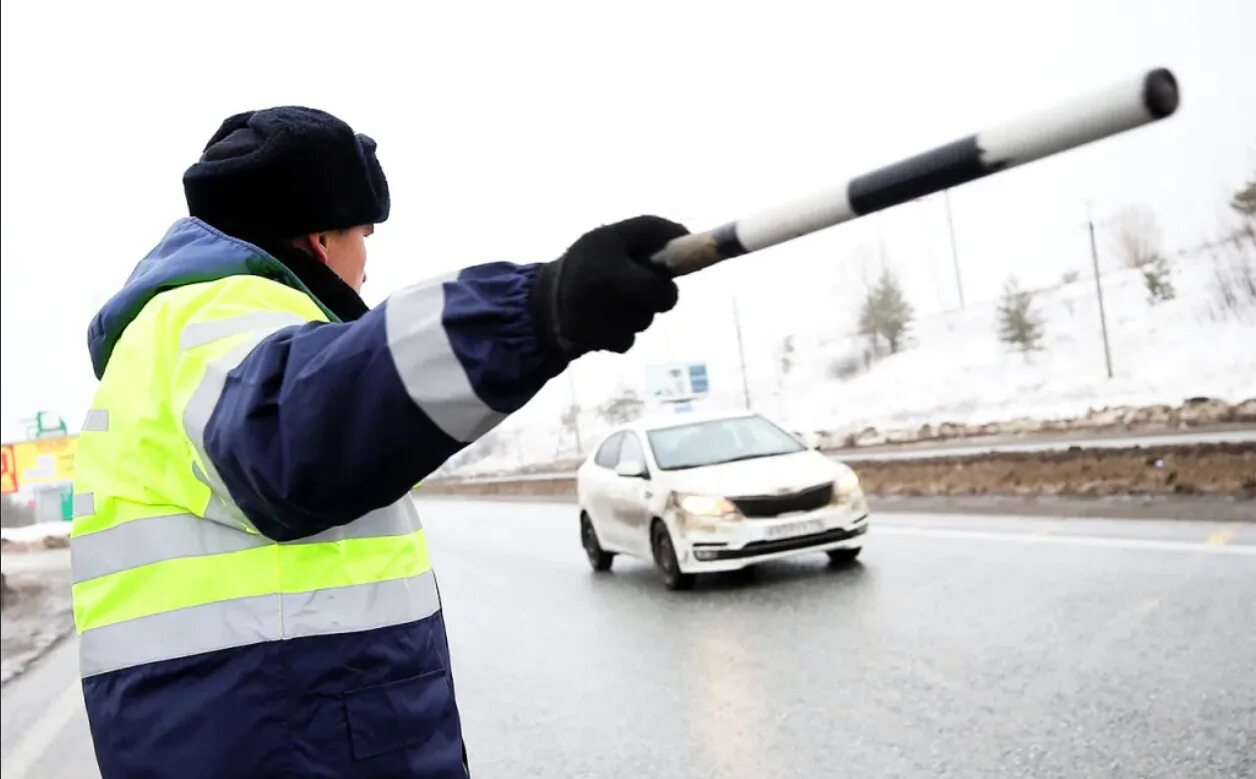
791 529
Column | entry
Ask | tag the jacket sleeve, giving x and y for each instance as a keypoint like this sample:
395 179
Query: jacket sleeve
323 422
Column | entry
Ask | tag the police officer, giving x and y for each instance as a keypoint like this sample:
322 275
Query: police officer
252 586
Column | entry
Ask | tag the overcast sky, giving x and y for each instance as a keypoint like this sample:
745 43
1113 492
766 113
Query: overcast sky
506 130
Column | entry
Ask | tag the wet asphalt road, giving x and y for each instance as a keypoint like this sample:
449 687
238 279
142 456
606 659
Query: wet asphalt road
959 646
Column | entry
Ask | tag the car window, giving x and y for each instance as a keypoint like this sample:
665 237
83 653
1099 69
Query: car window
608 455
630 451
719 441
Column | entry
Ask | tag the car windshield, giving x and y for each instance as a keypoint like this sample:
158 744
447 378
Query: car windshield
719 441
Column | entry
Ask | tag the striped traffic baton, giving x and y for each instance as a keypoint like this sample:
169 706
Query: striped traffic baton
1116 109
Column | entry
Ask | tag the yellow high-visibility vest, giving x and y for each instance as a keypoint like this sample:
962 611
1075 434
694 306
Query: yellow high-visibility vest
165 564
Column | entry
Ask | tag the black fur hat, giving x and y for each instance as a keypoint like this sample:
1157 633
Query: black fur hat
284 172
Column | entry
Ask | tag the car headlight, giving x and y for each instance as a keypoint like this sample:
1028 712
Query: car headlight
846 484
705 505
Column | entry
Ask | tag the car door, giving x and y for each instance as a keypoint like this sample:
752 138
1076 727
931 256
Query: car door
602 483
631 497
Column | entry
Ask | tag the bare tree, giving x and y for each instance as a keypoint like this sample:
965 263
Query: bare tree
1244 201
786 355
622 408
1139 239
1234 284
864 261
1244 204
570 422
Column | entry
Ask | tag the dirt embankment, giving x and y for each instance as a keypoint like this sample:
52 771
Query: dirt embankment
35 613
1200 469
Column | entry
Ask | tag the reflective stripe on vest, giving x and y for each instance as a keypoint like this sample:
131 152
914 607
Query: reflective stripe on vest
97 421
243 621
165 564
170 537
200 406
267 322
430 370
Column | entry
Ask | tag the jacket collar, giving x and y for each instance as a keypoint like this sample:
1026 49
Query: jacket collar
193 252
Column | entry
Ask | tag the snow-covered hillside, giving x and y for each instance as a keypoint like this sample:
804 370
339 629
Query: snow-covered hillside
952 368
955 368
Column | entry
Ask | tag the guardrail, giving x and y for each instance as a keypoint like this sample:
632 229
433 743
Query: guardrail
508 478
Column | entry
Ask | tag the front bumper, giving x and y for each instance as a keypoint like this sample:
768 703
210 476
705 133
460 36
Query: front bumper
761 548
703 547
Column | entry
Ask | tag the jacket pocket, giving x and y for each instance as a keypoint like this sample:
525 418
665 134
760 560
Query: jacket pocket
398 714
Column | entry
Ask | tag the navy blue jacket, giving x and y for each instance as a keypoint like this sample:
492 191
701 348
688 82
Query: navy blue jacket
315 428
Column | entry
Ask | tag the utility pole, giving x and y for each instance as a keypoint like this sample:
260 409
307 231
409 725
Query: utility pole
523 459
1103 318
575 415
950 224
741 349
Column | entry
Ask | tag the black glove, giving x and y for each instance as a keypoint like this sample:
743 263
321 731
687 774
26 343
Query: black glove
603 290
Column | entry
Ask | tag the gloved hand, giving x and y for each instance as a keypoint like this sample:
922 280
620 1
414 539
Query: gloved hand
603 290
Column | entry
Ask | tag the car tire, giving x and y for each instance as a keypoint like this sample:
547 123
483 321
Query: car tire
599 559
844 556
665 559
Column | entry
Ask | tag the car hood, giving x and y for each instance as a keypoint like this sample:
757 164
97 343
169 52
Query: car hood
781 474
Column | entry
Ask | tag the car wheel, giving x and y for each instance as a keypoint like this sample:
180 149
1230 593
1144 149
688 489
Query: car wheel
599 559
665 559
844 556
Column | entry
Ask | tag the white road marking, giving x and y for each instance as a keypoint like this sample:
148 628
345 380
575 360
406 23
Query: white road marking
1068 540
40 735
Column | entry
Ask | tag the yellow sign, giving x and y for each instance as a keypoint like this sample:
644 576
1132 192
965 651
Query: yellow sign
42 461
8 476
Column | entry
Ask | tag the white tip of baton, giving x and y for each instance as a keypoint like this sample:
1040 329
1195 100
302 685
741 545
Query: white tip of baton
1122 106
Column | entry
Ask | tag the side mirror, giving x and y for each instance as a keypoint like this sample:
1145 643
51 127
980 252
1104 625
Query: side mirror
631 469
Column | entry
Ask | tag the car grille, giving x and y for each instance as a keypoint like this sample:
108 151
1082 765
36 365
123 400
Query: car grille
761 506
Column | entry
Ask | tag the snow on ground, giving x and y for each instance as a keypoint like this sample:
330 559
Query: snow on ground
955 369
37 531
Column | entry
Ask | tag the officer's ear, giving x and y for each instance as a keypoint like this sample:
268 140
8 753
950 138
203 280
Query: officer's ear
315 245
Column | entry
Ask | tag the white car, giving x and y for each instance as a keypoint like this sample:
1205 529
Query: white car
715 493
